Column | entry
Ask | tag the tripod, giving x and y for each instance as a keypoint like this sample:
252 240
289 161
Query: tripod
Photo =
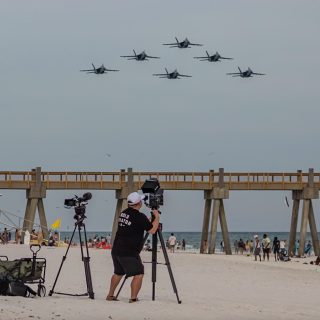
85 258
155 263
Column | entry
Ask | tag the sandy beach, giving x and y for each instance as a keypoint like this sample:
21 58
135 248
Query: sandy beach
210 287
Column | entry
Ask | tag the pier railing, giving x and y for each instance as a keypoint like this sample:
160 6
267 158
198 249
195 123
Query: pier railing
168 180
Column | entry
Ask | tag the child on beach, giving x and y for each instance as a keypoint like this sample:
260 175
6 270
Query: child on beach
257 248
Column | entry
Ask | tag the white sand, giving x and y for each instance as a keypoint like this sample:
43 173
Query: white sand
210 287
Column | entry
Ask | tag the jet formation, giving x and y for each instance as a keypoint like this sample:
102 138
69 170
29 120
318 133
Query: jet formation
143 56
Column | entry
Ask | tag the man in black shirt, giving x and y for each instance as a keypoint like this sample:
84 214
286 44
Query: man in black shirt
128 243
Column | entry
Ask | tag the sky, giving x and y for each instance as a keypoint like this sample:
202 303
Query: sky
58 118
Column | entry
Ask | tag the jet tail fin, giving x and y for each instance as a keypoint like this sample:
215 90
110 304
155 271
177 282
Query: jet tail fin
177 40
239 70
207 54
94 68
166 70
134 52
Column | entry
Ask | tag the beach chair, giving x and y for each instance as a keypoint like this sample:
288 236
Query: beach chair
21 272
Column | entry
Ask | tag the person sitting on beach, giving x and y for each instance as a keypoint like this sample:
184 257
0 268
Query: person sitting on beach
266 246
51 241
33 235
5 236
257 248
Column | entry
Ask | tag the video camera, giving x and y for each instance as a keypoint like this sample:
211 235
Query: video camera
154 199
79 204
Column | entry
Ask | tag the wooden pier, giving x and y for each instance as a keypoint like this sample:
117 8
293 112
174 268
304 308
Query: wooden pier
215 185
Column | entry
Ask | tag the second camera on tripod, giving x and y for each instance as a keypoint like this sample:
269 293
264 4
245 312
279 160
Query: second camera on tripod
153 193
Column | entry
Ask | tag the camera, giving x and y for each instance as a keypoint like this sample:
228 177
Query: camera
154 199
79 204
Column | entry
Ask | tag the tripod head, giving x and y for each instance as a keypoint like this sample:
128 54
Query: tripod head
79 205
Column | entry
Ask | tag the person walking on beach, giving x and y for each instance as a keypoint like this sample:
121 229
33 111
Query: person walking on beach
128 244
266 246
276 248
257 248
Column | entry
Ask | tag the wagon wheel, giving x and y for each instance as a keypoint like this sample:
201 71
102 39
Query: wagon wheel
41 290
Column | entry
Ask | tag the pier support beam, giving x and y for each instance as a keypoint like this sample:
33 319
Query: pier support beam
309 193
205 225
121 196
296 196
218 194
35 196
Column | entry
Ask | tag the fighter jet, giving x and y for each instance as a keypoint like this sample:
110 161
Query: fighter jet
245 74
99 70
215 58
140 57
182 45
172 75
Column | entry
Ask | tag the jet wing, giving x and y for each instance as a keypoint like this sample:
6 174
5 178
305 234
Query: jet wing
170 44
160 74
196 44
225 58
234 73
87 70
259 74
127 56
111 70
184 75
152 57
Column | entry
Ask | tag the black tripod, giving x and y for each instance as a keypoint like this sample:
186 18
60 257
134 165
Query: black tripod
155 263
85 258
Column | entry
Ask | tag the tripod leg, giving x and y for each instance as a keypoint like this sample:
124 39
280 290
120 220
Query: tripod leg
122 284
165 254
63 260
86 262
154 264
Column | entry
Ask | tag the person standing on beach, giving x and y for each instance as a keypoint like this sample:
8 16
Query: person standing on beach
172 242
257 248
308 248
276 248
128 244
266 246
236 247
183 244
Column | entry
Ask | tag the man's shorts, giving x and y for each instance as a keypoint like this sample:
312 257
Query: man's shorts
129 266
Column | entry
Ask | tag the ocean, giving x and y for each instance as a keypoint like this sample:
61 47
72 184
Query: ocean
193 238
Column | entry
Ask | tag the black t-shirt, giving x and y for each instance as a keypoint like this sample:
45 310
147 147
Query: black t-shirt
129 237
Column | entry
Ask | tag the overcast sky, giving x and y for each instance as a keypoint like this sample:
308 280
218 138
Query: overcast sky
55 117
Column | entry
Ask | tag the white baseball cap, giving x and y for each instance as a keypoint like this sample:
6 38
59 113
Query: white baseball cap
134 198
